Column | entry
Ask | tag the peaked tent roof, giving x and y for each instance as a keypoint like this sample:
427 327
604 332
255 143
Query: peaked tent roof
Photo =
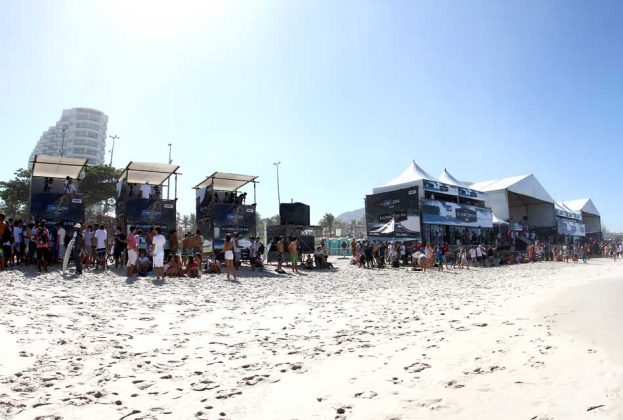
57 166
585 205
141 172
408 177
223 181
526 185
447 178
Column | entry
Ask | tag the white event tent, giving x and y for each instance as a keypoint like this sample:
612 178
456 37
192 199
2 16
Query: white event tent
447 178
519 198
413 175
590 215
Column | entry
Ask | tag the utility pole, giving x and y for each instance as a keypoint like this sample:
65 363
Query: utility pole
112 150
170 161
63 141
278 193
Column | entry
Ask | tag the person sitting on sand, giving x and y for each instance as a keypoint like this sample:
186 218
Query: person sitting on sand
173 267
143 264
213 266
309 262
192 269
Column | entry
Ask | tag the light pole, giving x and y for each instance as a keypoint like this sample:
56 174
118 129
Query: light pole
63 141
112 150
170 161
278 193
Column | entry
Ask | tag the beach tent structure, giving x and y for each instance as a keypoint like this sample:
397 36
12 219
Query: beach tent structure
587 209
154 173
413 175
447 178
519 198
224 181
57 167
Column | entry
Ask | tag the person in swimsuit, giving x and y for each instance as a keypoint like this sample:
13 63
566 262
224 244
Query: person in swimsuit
293 249
229 256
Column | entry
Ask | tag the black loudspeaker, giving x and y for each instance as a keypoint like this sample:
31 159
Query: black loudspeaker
294 214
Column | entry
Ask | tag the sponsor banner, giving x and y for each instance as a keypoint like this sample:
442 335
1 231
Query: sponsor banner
568 214
144 213
440 187
393 213
570 227
232 218
56 207
453 214
472 194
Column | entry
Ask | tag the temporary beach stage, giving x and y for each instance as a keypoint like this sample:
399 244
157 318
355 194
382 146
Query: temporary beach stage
220 209
49 197
146 210
415 205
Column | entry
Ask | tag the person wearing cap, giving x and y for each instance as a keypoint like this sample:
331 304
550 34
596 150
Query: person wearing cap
78 238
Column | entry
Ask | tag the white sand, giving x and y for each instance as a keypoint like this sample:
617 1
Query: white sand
539 341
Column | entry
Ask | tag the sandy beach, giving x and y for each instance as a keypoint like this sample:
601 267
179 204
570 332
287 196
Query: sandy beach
533 341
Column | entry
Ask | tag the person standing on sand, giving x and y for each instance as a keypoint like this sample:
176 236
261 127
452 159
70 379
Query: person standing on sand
294 254
280 251
158 242
237 252
229 256
78 238
132 251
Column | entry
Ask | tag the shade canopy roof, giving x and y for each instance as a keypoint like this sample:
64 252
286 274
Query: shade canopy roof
585 205
57 166
223 181
142 172
408 177
526 185
447 178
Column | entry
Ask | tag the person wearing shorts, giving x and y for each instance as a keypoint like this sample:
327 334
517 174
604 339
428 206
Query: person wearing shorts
229 256
42 238
280 251
132 251
101 241
158 241
293 249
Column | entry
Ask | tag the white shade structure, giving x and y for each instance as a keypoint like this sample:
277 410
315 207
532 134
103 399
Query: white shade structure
57 167
223 181
412 175
142 172
447 178
519 198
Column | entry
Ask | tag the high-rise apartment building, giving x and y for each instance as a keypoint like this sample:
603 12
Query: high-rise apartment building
80 133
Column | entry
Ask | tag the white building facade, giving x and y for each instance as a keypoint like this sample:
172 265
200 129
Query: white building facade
80 133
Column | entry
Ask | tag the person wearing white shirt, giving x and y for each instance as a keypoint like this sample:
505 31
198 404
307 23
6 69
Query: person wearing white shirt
101 237
146 190
19 243
158 242
472 256
60 240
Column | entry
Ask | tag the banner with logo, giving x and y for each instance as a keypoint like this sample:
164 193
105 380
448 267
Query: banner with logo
567 214
233 219
440 187
471 194
56 207
393 213
453 214
570 227
145 213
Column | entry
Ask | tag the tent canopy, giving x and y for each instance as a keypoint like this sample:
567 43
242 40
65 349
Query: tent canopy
526 185
223 181
407 178
585 205
57 166
447 178
498 221
142 172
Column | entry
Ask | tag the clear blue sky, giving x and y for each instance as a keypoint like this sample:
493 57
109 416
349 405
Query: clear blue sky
344 93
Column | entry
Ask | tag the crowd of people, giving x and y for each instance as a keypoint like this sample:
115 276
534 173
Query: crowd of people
142 252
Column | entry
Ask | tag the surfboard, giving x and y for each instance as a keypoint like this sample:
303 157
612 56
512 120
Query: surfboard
68 252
